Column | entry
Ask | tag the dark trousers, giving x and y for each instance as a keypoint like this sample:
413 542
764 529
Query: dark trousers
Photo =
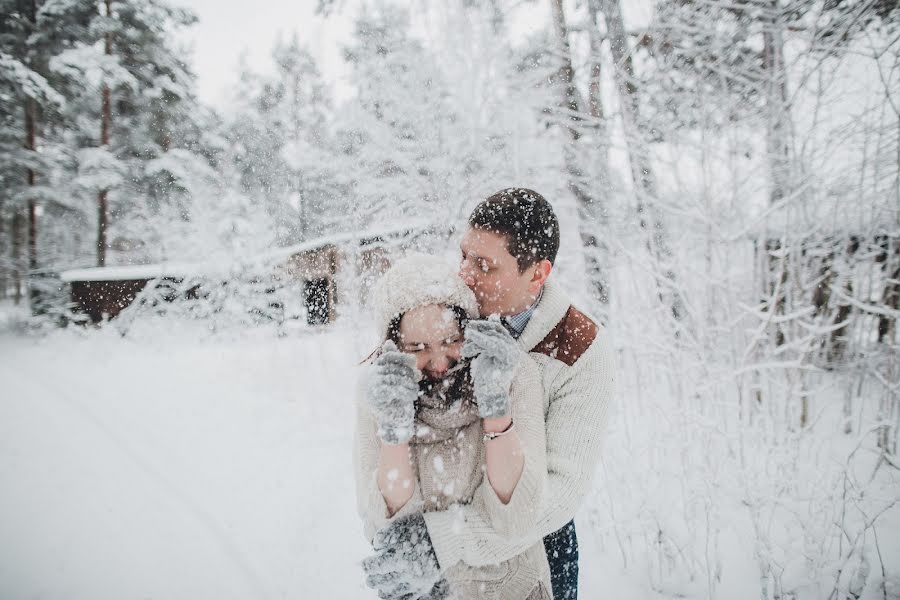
562 554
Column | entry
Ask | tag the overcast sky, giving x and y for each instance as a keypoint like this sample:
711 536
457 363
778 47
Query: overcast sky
228 28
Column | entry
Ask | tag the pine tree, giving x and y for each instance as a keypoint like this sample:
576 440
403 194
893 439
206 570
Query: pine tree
397 126
282 143
30 105
131 101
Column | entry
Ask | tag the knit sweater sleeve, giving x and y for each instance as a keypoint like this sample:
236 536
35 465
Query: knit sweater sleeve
366 453
516 517
579 400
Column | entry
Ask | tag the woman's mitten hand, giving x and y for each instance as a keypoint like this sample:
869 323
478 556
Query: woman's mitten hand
392 392
405 565
440 591
495 354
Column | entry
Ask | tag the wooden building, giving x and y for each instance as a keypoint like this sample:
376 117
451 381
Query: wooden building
330 271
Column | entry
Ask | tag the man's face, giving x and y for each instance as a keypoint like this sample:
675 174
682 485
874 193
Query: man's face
492 273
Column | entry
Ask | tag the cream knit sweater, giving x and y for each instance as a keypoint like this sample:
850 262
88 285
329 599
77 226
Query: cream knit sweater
576 405
448 480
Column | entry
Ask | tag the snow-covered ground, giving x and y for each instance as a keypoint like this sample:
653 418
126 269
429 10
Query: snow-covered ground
179 468
175 464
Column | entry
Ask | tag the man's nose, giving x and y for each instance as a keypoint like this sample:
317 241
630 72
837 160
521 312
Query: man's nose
466 274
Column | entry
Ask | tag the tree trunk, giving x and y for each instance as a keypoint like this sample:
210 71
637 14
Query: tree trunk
591 212
639 156
890 298
777 150
594 100
101 227
31 146
31 180
777 147
17 227
570 101
5 266
105 124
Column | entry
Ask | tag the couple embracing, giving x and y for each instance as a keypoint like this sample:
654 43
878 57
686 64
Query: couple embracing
481 420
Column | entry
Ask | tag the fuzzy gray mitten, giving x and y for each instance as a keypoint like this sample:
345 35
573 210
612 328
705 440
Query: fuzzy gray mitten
392 392
405 565
495 354
440 591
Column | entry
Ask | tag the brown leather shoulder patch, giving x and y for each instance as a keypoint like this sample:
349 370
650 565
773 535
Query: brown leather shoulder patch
571 337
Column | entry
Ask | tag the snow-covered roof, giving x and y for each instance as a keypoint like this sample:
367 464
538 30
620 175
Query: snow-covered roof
411 227
135 272
269 258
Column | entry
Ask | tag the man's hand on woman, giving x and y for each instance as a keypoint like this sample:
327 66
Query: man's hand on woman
495 354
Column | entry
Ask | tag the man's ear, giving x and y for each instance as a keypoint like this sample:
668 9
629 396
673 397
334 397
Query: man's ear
540 271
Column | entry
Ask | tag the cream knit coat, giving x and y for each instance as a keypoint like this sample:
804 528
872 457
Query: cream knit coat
448 479
576 402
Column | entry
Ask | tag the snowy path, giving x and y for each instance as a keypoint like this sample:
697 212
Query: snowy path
208 472
177 469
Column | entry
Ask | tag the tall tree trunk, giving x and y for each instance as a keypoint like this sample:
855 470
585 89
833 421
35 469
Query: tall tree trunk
777 155
597 211
570 103
31 180
17 228
890 298
777 130
31 146
105 124
591 212
31 118
5 266
639 156
596 42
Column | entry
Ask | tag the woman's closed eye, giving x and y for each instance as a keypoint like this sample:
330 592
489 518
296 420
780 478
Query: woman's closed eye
421 346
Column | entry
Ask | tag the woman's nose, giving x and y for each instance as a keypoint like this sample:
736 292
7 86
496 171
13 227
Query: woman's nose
439 364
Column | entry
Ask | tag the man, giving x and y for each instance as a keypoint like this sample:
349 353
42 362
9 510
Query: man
508 253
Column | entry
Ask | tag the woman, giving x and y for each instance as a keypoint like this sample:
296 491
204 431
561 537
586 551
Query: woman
440 424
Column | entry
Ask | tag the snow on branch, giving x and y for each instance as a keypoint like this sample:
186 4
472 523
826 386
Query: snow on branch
99 169
865 306
30 84
91 65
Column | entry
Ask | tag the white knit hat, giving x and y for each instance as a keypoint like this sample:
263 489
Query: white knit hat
419 280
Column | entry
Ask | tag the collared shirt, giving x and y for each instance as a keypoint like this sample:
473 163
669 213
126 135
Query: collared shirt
516 323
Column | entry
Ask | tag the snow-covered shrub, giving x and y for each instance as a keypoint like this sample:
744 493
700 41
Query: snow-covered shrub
219 303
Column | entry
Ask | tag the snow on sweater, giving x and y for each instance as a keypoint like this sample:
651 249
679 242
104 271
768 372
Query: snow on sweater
450 478
578 380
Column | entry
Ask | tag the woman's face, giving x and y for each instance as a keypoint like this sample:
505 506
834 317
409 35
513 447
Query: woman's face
431 333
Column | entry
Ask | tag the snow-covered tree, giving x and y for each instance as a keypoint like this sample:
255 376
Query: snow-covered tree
396 127
131 101
34 169
281 142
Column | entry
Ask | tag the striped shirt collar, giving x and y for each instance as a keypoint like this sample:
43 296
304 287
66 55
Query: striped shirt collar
516 324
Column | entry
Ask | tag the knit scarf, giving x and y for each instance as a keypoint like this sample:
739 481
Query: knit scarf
444 407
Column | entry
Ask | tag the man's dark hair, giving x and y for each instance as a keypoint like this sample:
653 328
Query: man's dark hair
525 219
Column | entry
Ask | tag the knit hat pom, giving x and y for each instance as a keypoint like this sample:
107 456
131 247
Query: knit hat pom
419 280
